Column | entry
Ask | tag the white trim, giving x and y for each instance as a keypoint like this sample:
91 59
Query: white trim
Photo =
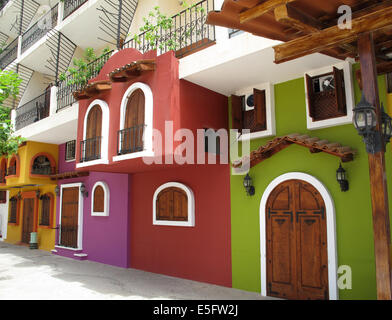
104 133
148 120
270 111
81 255
80 215
106 200
191 206
66 248
350 101
331 230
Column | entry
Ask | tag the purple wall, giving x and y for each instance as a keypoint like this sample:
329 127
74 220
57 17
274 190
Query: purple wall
105 239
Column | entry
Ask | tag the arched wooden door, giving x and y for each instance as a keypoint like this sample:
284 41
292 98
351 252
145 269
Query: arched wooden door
297 257
132 136
92 147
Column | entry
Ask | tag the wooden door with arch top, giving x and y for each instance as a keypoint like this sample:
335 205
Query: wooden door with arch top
296 235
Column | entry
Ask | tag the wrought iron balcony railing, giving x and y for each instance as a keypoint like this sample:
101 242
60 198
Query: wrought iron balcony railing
9 54
70 84
11 171
40 28
90 149
33 111
189 32
130 140
43 170
70 6
3 3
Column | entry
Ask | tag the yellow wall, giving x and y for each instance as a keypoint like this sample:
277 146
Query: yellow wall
46 237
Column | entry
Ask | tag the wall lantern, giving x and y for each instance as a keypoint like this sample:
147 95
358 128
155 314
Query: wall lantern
84 191
248 184
37 193
341 177
386 125
57 191
365 121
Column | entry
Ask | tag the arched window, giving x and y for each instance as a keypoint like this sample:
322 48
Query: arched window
3 170
46 215
91 146
13 167
174 205
100 200
43 164
131 137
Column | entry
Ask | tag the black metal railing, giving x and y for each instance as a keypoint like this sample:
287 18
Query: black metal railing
130 140
43 170
90 149
70 6
40 28
70 84
189 32
11 171
3 3
33 111
9 54
234 32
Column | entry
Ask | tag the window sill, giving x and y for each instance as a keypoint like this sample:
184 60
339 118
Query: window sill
189 224
135 155
91 163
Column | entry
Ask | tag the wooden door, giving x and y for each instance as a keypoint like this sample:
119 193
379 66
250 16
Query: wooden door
93 134
297 257
28 219
69 218
132 139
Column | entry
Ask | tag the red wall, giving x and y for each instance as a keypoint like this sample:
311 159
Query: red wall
201 253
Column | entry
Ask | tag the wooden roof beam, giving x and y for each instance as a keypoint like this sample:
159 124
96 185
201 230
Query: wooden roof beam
261 9
333 36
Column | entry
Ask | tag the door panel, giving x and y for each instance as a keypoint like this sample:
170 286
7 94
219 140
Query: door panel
28 219
297 257
69 218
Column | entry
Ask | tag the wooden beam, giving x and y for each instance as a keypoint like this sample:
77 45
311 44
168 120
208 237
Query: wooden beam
333 36
378 185
382 68
261 9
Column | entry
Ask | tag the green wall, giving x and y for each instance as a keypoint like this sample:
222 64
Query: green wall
353 208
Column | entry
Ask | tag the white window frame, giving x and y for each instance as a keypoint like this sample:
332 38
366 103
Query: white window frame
80 216
270 111
148 121
346 66
104 134
106 200
191 206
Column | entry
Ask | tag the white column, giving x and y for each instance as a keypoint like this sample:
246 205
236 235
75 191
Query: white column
221 33
13 117
53 101
60 15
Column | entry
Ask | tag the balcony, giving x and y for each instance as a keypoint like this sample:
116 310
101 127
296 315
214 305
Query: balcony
43 170
40 28
130 140
189 33
70 84
90 149
71 6
9 54
33 111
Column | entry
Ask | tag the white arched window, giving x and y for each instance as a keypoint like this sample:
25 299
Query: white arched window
95 143
139 98
100 197
174 205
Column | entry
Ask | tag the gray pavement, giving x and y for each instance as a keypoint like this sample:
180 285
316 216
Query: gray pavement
38 275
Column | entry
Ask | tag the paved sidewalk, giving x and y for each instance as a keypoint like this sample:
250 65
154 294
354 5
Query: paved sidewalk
38 275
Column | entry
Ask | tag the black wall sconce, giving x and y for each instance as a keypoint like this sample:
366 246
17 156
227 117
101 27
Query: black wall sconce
248 184
84 191
57 191
341 177
365 121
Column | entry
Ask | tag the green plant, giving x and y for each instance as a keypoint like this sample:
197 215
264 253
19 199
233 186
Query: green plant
9 86
83 69
158 29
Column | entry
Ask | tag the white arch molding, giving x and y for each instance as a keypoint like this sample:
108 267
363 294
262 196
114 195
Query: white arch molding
331 229
106 190
148 120
104 133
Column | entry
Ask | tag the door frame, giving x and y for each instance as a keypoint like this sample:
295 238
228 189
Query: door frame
80 215
331 229
29 195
